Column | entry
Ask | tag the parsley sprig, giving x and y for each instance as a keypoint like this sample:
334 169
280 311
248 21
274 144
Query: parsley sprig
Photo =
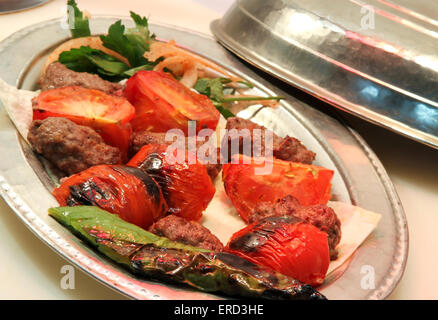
131 43
86 59
80 26
215 88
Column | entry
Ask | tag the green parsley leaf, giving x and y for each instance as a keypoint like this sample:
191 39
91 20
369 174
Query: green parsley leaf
224 111
214 89
117 41
141 32
79 27
202 86
132 43
86 59
132 71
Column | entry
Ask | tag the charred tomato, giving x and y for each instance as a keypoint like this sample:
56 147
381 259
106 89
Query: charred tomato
246 187
285 244
109 115
186 186
128 192
162 103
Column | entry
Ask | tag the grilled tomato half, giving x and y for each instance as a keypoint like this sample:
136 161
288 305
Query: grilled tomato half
246 186
285 244
128 192
162 103
109 115
186 186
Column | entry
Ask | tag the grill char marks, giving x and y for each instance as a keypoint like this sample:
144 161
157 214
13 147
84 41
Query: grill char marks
126 191
186 186
85 194
321 216
143 138
150 184
262 232
153 165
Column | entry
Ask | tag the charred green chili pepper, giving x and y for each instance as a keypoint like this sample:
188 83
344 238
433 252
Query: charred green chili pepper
160 258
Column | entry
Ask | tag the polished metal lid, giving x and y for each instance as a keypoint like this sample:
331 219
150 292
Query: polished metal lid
377 59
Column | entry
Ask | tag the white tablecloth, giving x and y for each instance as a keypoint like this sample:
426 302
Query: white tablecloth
30 270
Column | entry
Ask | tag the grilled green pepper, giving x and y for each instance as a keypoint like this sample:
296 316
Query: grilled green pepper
156 257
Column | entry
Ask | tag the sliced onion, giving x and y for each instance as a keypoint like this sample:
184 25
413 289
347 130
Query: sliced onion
176 64
169 49
190 76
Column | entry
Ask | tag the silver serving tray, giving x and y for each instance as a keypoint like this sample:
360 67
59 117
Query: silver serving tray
375 59
360 178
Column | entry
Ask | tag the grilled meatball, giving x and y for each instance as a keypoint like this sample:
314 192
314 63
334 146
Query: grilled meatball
188 232
291 149
142 138
324 218
58 75
70 147
321 216
288 148
285 206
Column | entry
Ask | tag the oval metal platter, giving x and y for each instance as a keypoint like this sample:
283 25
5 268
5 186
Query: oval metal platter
360 178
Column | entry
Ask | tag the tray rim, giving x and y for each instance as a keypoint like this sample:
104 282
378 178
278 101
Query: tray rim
45 233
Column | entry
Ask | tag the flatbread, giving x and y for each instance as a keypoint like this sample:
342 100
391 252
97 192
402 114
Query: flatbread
18 105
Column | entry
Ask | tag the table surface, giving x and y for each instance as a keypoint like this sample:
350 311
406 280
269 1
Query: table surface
31 270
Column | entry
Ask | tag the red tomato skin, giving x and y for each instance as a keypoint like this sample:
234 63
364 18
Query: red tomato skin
294 248
162 103
109 115
308 183
187 187
126 194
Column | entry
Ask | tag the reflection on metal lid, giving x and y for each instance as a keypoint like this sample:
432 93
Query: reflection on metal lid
377 59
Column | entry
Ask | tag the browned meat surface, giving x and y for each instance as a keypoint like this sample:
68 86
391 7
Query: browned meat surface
70 147
288 148
142 138
188 232
292 149
321 216
285 206
326 220
58 75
